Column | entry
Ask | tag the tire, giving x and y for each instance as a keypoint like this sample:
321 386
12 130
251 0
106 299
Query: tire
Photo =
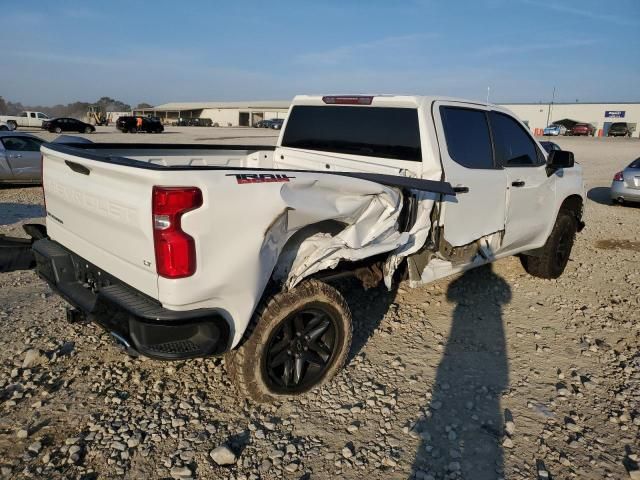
555 253
133 130
264 368
12 125
57 130
88 130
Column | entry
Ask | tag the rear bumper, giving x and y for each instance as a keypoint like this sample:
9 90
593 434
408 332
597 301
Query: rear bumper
619 190
131 316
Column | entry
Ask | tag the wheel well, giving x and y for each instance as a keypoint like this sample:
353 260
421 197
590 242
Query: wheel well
290 249
574 204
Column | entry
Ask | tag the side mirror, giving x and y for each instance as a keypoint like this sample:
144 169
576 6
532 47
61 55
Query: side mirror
558 159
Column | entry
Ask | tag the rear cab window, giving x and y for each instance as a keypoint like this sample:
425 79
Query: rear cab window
468 139
385 132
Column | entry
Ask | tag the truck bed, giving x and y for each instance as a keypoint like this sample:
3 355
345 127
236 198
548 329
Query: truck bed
99 206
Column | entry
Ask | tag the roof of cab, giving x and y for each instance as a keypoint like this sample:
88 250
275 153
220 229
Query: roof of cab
387 100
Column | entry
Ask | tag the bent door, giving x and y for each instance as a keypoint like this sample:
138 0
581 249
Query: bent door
478 209
23 157
531 194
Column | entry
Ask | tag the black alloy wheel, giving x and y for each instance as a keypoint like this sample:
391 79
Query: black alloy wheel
563 249
300 349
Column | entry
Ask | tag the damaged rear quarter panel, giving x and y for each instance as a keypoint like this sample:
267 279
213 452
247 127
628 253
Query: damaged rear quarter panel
242 229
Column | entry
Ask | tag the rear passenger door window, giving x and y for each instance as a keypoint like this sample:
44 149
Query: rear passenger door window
513 145
466 154
467 135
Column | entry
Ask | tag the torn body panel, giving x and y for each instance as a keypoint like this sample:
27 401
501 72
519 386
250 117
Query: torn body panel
432 264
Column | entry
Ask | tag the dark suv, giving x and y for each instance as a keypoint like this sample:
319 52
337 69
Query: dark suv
619 129
139 124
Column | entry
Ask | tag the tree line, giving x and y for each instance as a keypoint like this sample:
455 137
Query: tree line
73 110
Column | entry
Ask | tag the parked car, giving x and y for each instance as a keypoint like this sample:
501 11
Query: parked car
555 130
626 184
59 125
20 157
619 129
201 122
550 146
131 124
245 242
277 123
585 129
265 123
25 119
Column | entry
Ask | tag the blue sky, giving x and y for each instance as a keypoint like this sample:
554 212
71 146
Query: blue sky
160 51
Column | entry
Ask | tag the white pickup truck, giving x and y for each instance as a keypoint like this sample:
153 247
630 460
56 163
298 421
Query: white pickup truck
25 119
193 250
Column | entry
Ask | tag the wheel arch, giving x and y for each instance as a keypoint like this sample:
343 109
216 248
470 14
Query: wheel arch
574 204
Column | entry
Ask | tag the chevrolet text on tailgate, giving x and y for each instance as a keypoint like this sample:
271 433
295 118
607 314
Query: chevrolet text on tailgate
185 251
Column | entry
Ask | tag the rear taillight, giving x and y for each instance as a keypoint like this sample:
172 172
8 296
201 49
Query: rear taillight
175 250
618 177
347 100
44 197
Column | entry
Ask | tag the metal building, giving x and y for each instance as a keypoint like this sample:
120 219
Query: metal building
225 114
601 115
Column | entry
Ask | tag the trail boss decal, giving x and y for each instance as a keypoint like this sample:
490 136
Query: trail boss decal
260 177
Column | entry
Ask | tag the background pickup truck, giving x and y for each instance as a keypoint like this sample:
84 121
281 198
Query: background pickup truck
25 119
193 250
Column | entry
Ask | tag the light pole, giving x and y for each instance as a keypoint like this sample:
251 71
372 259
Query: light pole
553 97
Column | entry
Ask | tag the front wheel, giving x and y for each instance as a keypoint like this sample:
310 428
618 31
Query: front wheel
552 259
58 130
297 340
88 130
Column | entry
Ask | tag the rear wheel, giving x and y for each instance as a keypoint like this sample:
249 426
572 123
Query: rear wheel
57 130
554 255
297 341
88 130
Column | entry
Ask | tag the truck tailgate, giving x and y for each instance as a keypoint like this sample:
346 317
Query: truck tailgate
102 212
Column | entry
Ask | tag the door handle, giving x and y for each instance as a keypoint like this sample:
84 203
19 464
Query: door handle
518 183
15 156
461 189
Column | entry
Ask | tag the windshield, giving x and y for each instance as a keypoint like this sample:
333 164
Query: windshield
369 131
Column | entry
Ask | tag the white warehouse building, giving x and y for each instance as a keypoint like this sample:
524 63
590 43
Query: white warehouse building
225 114
536 115
601 115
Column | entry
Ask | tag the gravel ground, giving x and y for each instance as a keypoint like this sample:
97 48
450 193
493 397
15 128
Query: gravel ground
490 374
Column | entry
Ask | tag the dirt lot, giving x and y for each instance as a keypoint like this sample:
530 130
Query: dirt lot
491 374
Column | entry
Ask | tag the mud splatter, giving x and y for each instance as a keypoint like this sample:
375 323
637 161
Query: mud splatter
614 244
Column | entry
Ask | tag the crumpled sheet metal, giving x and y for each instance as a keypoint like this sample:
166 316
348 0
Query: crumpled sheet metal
370 212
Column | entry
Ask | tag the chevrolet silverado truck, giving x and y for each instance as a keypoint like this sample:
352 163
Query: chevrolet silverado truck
185 251
25 119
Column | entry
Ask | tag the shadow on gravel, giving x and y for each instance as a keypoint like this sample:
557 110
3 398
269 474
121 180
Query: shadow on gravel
599 195
368 309
14 212
462 430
